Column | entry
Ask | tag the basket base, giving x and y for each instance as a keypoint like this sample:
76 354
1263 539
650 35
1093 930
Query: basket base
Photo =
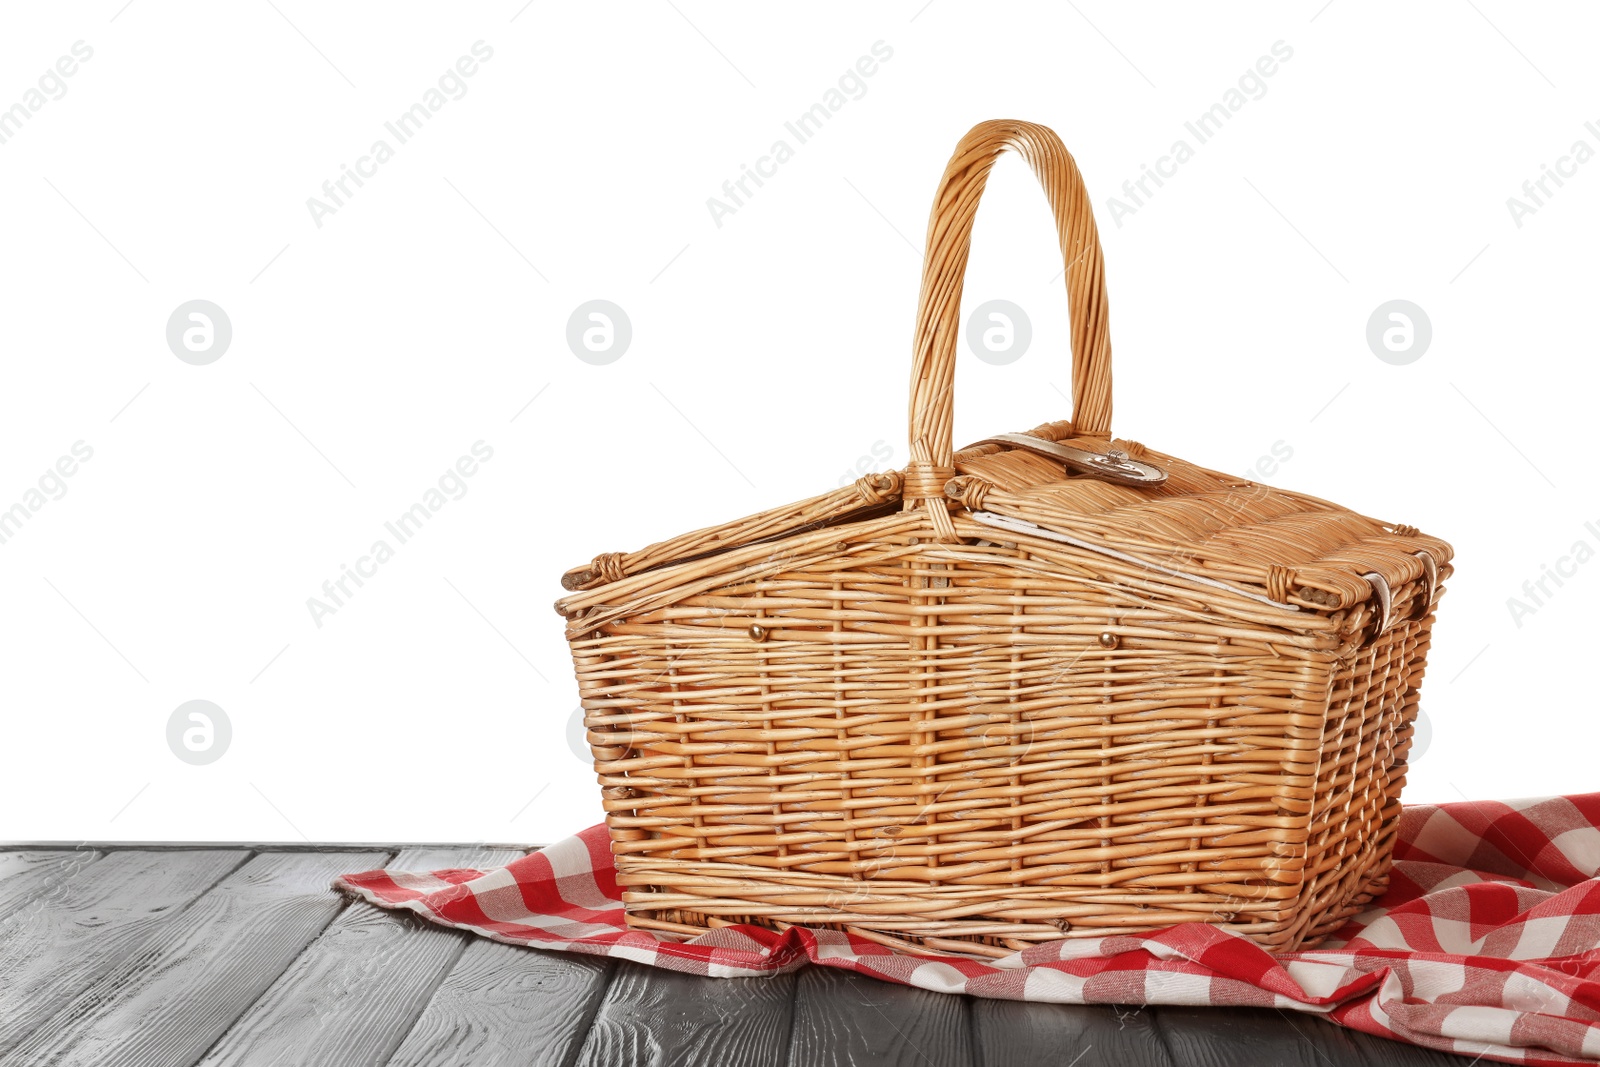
1276 926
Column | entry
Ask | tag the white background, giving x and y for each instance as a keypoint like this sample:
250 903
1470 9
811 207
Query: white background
768 354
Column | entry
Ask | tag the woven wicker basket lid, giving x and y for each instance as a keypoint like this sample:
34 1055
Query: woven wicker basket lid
1264 542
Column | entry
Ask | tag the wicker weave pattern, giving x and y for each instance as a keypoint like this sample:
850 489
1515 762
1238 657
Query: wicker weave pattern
884 708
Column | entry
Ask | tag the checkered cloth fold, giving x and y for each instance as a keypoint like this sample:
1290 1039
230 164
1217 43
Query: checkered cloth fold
1487 942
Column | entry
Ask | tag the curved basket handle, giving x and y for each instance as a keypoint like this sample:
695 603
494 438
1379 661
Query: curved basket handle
943 274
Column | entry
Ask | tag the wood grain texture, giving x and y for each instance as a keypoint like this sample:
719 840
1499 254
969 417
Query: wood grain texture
1365 1048
24 873
508 1006
845 1018
350 997
1013 1033
1206 1037
175 957
1232 1037
664 1018
164 1006
69 942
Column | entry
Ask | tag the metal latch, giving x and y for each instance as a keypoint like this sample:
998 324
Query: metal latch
1113 466
1380 586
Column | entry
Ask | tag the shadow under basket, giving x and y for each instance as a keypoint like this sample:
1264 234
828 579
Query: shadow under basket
1055 684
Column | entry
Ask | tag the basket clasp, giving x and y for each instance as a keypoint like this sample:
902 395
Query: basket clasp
1112 466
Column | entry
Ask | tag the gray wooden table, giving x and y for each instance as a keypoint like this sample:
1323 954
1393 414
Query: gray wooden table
169 956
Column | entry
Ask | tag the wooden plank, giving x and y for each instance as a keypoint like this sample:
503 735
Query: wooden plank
1365 1048
508 1006
159 959
1229 1037
1013 1033
667 1018
353 993
70 941
165 1006
26 874
845 1018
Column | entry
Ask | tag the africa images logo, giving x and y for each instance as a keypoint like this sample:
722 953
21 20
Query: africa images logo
851 85
451 85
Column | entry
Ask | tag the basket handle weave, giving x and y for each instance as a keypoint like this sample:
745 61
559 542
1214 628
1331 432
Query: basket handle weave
943 273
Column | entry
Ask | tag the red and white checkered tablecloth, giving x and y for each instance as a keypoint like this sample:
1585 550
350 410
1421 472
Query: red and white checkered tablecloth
1487 942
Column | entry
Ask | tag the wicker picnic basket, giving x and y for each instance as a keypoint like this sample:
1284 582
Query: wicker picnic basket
1051 685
